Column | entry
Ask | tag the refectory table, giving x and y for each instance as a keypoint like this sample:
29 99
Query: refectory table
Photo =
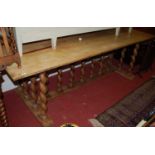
32 76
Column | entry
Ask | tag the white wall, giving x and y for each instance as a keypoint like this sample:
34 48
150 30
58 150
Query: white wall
7 84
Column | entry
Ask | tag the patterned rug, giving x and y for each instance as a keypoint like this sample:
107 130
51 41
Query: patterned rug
129 111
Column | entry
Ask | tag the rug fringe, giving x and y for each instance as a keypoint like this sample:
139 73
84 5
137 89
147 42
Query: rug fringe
95 123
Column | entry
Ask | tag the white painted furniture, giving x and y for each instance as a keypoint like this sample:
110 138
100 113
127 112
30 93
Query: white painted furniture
30 34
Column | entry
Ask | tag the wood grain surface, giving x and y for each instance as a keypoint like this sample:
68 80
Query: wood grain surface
71 49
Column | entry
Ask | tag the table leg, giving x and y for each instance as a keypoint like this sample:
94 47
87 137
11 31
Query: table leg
24 87
59 84
122 57
3 115
72 76
133 57
82 78
92 68
43 91
34 95
101 65
33 91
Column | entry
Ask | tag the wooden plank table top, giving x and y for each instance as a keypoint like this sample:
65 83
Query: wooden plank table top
71 49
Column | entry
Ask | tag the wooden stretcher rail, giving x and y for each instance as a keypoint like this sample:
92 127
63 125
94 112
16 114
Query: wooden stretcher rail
72 50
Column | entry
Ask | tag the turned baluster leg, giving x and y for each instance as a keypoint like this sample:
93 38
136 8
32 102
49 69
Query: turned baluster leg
43 91
92 68
33 90
101 66
122 57
59 83
25 88
72 76
133 57
108 61
12 39
3 115
82 78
